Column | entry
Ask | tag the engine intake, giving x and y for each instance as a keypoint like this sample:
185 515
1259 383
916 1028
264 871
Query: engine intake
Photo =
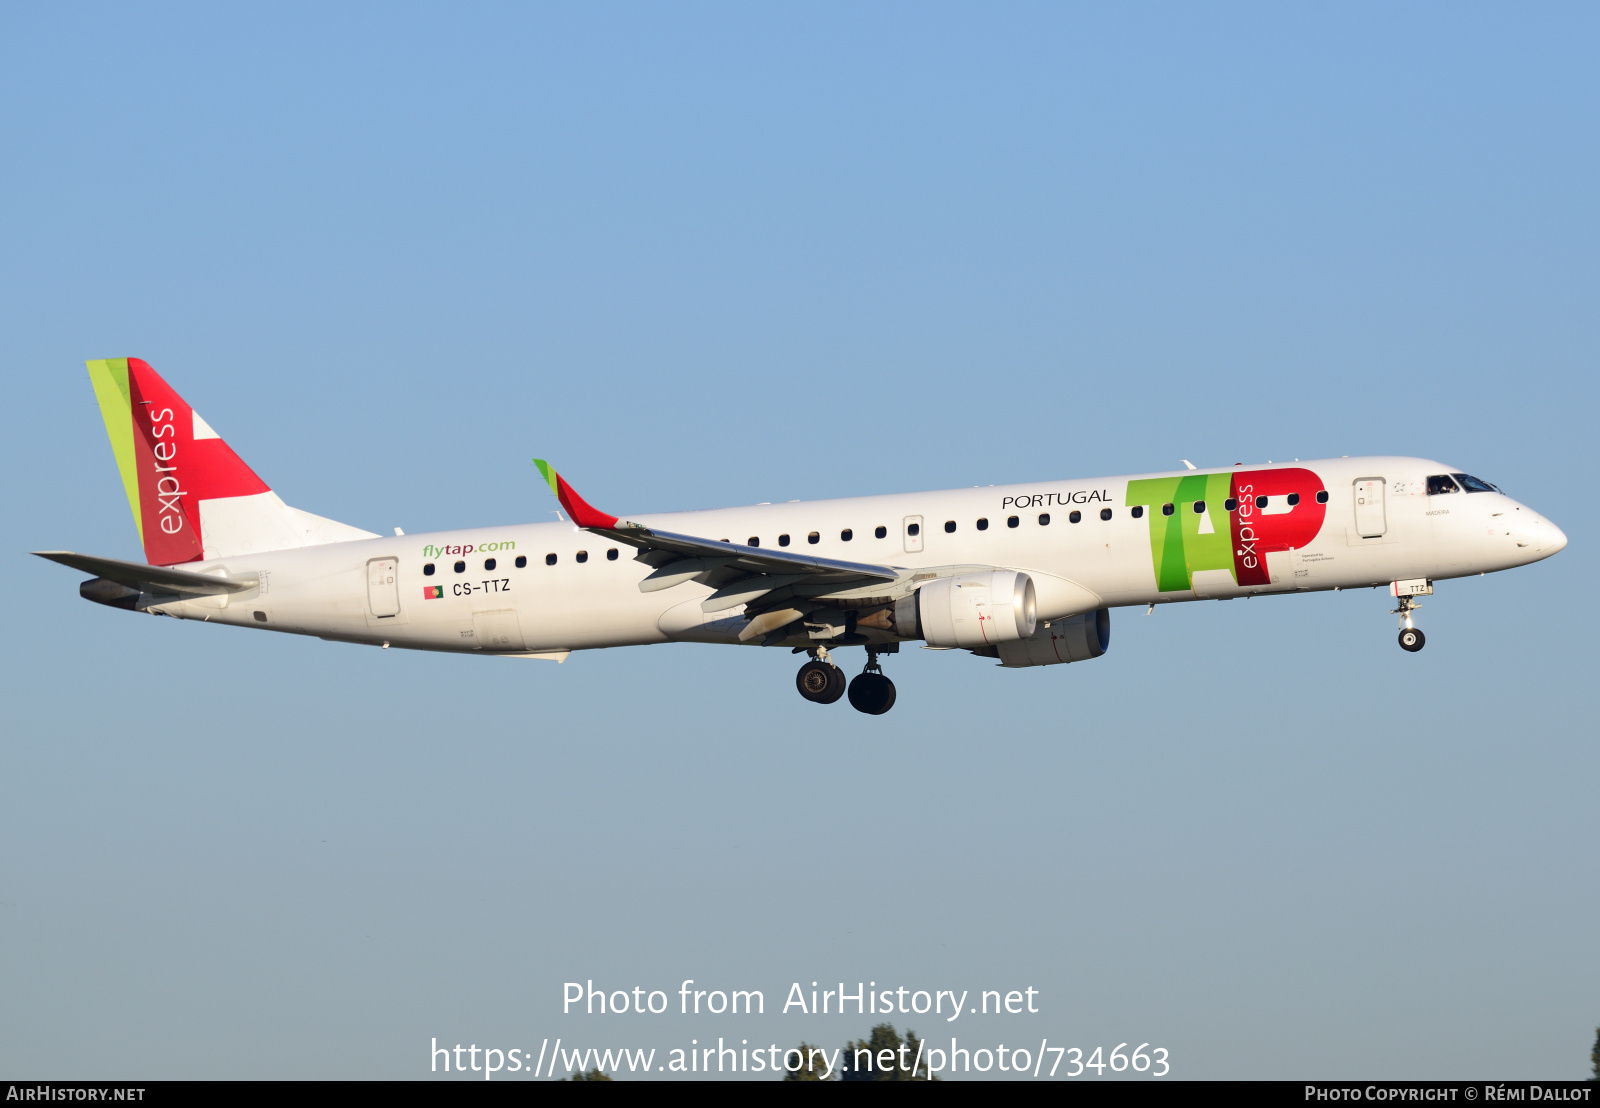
1065 640
978 609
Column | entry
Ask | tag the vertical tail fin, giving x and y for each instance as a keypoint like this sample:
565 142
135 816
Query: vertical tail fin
192 497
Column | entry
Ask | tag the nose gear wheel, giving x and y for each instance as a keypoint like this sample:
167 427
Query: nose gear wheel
1411 638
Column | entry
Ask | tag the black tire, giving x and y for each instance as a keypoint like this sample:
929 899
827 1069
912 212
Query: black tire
820 682
836 689
889 702
1411 639
872 693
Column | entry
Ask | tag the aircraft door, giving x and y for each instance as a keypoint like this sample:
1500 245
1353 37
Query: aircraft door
913 533
1370 522
383 587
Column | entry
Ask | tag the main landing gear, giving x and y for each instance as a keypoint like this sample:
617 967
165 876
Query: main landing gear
822 682
871 692
1411 638
819 680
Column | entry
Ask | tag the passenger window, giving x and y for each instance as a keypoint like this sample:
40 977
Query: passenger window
1105 513
1012 521
522 561
1075 517
1199 507
549 559
783 540
1044 519
488 565
1166 509
427 570
611 555
949 526
1440 484
1138 511
1261 502
1230 505
582 556
1472 484
1322 497
913 529
813 538
755 540
461 567
880 532
1294 498
846 535
983 525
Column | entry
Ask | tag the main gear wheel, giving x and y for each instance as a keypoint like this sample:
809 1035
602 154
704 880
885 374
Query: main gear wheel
820 682
872 693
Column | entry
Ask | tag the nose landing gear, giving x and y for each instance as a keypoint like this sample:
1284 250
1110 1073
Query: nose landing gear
1411 638
871 692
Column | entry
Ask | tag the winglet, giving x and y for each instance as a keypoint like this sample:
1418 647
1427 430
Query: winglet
578 508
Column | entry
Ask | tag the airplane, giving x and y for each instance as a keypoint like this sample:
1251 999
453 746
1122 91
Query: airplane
1022 574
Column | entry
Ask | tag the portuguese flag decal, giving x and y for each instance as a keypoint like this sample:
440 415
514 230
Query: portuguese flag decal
432 592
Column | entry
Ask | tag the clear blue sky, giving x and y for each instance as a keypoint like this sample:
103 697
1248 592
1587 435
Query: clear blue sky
703 255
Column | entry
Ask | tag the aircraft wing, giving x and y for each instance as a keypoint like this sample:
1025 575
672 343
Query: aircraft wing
751 575
152 579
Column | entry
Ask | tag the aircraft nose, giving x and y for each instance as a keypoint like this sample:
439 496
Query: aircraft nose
1551 538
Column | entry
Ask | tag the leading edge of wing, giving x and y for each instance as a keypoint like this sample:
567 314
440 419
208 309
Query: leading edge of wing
753 559
756 559
151 578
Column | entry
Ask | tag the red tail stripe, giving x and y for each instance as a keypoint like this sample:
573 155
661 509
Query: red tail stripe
176 470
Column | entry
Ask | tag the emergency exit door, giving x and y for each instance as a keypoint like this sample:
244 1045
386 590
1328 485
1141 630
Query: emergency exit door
1370 523
383 587
912 529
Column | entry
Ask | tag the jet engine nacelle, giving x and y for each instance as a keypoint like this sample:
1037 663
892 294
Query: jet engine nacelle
1063 640
110 593
977 609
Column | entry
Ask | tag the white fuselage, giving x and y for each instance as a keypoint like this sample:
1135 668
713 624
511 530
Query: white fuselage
557 603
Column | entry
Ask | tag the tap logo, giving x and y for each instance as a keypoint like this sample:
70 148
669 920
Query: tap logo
1227 521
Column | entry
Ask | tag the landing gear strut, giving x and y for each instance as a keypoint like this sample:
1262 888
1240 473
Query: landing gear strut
1411 638
819 680
871 692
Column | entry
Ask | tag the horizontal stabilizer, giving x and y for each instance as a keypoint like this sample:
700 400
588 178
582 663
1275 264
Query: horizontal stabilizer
152 579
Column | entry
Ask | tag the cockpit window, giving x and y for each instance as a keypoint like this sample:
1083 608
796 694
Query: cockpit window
1472 484
1441 483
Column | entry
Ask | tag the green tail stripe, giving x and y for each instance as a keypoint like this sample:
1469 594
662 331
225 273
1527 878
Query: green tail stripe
110 379
548 474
